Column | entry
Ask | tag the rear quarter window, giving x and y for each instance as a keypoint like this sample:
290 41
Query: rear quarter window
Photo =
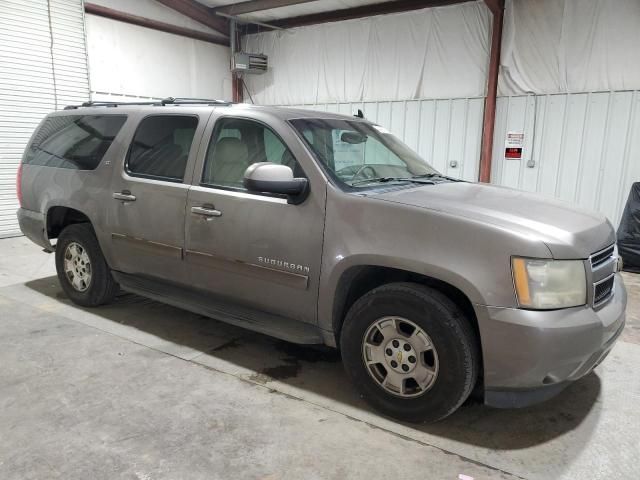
76 142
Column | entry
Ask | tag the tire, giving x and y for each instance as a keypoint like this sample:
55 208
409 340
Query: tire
447 372
94 284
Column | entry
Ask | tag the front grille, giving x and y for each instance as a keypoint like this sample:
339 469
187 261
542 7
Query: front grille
603 269
603 290
602 256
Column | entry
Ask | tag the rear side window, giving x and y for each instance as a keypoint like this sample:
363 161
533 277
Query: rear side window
73 141
160 147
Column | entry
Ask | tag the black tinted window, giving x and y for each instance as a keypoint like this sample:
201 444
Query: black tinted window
73 141
238 143
161 145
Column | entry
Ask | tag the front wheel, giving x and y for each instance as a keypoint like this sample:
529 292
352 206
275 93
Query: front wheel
82 270
410 351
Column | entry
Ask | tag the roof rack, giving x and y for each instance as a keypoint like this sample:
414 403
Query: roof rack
157 103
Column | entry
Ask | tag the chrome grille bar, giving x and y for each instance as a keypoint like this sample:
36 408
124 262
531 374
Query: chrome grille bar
602 256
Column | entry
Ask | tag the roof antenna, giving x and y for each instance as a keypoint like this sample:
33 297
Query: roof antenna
360 114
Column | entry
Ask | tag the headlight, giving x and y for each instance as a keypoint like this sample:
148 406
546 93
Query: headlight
549 284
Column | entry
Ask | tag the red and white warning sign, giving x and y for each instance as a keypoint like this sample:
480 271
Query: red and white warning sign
513 145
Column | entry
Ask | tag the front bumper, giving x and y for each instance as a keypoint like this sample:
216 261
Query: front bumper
530 355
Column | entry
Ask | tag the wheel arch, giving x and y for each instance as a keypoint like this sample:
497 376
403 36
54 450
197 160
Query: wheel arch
357 280
58 217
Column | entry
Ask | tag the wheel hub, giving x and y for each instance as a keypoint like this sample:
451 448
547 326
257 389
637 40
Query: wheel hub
400 355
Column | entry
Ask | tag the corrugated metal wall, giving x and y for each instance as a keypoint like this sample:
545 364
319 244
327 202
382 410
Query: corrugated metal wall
69 52
42 67
583 148
446 132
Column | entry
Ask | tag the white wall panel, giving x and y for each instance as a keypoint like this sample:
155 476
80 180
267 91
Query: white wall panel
567 46
135 61
441 131
582 148
440 52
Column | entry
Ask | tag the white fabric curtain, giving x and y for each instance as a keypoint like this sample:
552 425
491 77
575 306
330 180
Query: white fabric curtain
566 46
431 53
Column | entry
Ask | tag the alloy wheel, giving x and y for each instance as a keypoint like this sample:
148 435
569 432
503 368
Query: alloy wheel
400 356
77 266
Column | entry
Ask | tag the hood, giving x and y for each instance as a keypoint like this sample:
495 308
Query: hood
568 231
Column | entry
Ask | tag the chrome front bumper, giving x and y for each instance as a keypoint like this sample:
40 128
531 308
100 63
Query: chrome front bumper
530 355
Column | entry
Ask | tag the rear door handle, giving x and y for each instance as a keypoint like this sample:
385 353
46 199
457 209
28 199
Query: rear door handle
206 211
124 196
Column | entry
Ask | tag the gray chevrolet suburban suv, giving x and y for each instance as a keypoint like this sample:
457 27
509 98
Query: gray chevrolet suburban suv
318 228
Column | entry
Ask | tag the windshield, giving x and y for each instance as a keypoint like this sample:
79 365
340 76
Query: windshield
361 154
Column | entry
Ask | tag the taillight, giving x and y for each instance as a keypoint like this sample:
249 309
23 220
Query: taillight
19 184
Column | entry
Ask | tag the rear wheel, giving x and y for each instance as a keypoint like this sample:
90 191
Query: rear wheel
410 351
82 270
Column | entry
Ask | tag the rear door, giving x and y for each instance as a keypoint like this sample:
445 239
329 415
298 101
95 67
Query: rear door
254 249
149 193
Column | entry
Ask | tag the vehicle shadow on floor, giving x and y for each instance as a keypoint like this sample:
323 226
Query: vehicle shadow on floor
317 371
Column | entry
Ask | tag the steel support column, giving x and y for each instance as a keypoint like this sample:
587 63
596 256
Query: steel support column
236 82
488 123
236 88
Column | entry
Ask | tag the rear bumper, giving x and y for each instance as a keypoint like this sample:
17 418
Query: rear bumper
529 356
33 226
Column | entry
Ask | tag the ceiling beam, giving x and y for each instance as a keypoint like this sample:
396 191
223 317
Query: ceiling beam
251 6
101 11
356 12
199 13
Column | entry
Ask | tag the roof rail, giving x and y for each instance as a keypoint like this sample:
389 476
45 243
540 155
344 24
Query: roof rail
157 103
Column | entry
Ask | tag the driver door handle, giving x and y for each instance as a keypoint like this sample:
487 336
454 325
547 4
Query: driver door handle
206 211
125 196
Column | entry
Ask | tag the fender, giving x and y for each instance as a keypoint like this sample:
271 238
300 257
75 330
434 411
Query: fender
333 282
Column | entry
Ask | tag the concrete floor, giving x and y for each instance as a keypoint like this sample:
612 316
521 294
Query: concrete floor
145 391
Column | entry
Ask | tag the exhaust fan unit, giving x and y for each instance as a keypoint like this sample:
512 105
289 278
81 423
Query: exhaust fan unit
249 63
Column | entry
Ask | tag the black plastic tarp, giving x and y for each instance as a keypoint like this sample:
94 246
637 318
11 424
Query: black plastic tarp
629 231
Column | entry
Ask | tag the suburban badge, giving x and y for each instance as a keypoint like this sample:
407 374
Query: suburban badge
275 262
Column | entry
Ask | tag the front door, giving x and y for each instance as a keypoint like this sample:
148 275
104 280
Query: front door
149 196
253 249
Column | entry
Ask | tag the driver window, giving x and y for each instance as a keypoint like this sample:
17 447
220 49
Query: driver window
237 143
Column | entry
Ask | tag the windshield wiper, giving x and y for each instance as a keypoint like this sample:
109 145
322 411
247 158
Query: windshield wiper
393 179
438 175
424 179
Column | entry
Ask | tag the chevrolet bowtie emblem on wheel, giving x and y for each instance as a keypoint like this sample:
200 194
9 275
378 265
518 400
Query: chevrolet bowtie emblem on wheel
399 356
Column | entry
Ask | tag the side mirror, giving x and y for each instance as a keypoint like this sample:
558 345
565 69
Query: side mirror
267 177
